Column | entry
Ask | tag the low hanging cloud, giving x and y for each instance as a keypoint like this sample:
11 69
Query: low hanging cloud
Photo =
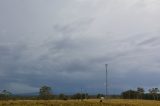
19 88
66 45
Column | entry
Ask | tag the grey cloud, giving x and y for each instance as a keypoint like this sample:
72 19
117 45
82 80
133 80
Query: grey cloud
148 41
70 47
74 26
20 88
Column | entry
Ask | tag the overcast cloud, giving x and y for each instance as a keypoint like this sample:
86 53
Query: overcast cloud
66 43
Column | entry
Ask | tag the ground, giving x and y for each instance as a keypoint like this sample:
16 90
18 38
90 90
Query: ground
90 102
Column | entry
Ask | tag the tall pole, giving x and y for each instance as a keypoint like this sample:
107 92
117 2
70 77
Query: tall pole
81 95
106 81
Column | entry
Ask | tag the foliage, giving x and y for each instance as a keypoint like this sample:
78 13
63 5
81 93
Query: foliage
100 95
5 95
63 96
45 92
154 92
80 96
129 94
140 92
77 96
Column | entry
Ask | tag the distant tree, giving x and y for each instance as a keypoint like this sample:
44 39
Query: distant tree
100 95
86 96
5 95
140 92
154 93
79 96
83 96
5 92
45 92
129 94
62 96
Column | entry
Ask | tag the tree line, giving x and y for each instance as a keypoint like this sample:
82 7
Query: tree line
152 94
46 93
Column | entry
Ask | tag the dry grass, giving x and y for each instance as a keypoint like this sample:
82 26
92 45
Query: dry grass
91 102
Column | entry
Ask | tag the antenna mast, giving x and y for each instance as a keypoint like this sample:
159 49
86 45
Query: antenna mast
106 81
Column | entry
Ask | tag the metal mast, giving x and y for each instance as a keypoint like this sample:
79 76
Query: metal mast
106 81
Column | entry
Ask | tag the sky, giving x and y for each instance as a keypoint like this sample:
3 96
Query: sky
65 44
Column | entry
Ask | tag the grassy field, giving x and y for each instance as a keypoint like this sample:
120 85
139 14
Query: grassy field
114 102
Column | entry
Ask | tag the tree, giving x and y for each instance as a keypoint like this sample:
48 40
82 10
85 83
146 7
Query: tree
140 91
129 94
100 95
63 97
154 92
45 92
78 96
5 95
86 96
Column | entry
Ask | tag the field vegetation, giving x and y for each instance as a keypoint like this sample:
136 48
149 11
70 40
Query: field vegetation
90 102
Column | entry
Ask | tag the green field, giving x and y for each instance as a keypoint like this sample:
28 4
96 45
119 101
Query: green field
91 102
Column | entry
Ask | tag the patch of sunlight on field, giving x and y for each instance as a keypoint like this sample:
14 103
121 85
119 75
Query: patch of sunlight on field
90 102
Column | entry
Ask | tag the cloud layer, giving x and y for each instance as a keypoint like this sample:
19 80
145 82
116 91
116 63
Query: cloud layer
66 44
